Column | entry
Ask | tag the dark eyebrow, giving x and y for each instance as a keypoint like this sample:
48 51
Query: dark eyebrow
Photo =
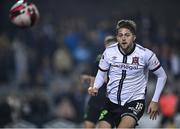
125 33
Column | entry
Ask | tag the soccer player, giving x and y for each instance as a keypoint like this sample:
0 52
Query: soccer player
95 103
128 64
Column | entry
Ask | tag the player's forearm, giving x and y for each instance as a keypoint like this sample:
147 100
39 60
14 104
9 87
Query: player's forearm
100 78
161 80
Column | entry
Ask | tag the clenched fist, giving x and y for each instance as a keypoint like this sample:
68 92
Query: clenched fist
92 91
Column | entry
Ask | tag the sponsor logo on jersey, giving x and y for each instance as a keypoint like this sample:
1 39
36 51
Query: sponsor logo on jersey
126 66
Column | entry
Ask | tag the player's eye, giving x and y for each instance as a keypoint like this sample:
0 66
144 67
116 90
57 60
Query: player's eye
127 34
120 35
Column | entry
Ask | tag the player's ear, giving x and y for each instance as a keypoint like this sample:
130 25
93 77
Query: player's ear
134 37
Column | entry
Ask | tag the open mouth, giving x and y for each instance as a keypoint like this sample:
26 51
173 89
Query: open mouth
124 43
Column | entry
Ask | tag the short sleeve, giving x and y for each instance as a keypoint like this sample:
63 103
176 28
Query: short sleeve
104 63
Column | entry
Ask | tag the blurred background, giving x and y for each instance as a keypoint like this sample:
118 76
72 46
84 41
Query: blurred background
40 67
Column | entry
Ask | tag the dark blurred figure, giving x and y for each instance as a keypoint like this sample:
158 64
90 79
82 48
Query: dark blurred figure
65 108
5 113
6 59
175 63
168 107
95 103
37 109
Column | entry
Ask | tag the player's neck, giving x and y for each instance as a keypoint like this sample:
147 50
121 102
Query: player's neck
128 50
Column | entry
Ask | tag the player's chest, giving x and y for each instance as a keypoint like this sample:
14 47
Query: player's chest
128 63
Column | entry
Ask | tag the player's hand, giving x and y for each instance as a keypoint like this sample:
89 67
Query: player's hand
92 91
153 110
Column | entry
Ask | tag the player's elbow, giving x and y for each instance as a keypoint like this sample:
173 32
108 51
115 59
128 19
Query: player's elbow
164 75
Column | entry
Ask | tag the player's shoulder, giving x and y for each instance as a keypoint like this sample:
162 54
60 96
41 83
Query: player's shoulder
143 49
145 52
110 49
140 48
112 46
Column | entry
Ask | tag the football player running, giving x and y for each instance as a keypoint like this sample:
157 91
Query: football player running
128 64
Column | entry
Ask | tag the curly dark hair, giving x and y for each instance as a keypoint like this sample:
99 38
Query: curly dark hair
129 24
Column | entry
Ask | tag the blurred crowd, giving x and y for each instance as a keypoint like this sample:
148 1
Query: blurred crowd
40 67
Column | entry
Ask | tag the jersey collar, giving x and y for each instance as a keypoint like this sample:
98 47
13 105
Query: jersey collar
119 47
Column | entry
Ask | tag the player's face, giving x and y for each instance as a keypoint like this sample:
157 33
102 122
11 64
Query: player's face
126 39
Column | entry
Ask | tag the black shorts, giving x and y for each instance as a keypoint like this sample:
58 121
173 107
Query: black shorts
92 113
95 105
112 113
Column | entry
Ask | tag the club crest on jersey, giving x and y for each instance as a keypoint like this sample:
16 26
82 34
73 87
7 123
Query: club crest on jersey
135 60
